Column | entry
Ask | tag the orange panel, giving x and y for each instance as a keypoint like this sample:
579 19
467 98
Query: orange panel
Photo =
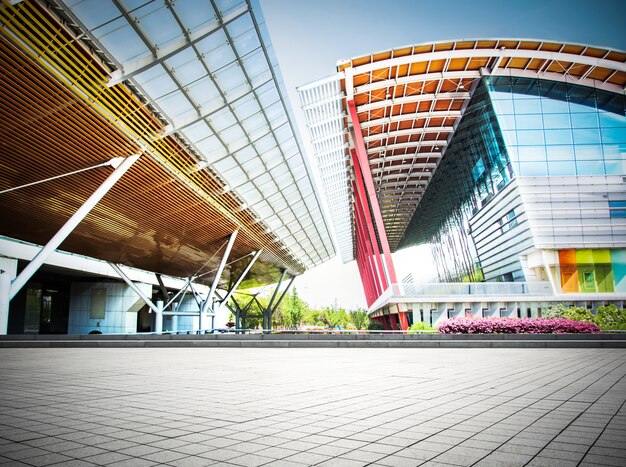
600 74
592 52
551 47
569 271
381 56
444 46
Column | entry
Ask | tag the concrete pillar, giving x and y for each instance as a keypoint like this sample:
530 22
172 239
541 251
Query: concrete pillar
8 270
175 323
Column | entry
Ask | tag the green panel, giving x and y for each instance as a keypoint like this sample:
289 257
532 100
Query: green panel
601 256
619 269
584 256
604 277
586 278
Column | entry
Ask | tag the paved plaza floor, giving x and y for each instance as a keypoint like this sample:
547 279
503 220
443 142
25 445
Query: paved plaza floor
291 407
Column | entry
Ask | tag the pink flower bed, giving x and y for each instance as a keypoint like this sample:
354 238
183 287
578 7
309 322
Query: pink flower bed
516 326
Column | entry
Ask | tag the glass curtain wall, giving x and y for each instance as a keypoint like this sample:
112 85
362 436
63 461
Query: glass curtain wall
515 127
558 129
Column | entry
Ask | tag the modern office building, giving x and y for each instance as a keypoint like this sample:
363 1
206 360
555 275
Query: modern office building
507 156
149 148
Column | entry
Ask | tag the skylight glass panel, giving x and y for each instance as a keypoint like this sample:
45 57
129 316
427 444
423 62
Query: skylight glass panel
204 93
256 66
122 42
245 107
254 166
272 157
276 114
283 133
255 126
197 132
244 35
278 201
246 154
265 144
211 148
234 137
158 24
217 53
235 176
290 148
222 119
267 95
156 82
94 13
231 80
187 67
226 7
225 165
176 106
195 14
288 217
263 209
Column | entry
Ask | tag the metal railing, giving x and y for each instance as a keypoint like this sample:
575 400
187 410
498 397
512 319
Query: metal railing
474 288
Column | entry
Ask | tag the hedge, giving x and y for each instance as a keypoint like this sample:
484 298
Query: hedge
516 326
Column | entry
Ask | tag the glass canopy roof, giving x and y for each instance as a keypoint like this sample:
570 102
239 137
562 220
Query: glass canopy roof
208 70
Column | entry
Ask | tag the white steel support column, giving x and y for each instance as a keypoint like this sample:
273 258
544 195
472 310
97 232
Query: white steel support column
158 317
136 289
70 225
8 268
239 281
208 301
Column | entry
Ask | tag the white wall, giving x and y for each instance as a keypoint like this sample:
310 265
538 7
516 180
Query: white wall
121 307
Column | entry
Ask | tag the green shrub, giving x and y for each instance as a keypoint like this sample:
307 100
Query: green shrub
606 317
375 326
420 326
610 317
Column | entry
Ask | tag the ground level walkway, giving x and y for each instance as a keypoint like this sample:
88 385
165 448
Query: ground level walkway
336 406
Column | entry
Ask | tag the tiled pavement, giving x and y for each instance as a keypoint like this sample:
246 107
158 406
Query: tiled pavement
327 407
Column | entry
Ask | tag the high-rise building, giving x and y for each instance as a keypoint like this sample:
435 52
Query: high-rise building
507 156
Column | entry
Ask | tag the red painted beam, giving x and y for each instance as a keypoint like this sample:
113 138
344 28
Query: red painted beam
363 161
369 247
361 198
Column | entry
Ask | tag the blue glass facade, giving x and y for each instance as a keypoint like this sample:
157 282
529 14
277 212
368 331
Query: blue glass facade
558 128
515 127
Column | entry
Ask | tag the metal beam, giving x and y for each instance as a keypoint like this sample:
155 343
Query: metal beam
208 301
496 52
133 286
413 144
408 132
412 100
70 225
410 116
241 278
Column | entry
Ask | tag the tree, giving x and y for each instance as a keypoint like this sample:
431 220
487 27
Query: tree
295 309
359 318
335 316
313 317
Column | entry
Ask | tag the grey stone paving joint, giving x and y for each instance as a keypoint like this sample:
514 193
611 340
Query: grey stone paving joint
325 407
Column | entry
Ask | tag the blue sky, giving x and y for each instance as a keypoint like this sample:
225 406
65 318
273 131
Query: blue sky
309 36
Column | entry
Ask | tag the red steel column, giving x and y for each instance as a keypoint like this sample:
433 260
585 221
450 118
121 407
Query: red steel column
361 153
361 196
367 277
372 247
404 320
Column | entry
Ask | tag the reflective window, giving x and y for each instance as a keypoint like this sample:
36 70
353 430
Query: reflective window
560 128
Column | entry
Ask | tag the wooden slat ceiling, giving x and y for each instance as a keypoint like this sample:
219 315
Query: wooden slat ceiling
164 215
410 100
